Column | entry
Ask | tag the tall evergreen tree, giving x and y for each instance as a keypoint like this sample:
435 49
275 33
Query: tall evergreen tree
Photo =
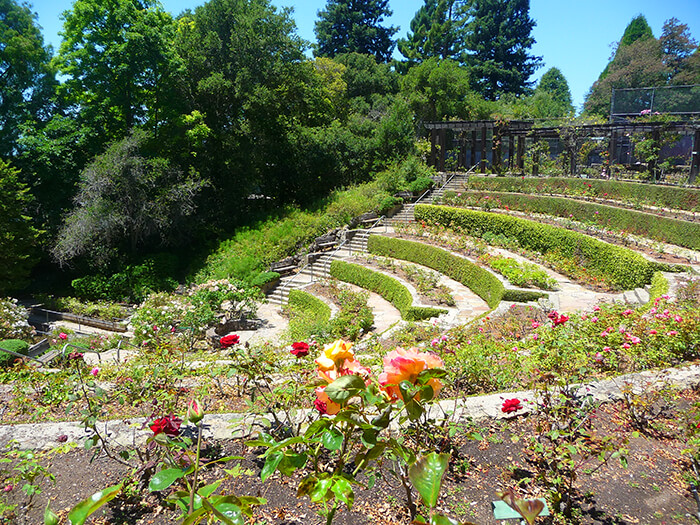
637 29
437 30
677 44
354 26
499 40
554 83
27 82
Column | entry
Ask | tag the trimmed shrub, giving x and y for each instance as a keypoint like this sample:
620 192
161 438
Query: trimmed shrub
480 281
624 268
522 296
303 304
388 287
659 286
672 197
665 229
14 345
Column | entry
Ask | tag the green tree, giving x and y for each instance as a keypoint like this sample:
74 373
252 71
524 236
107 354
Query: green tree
27 81
637 29
554 83
354 26
18 238
366 78
635 65
499 39
677 44
437 30
440 89
129 199
116 57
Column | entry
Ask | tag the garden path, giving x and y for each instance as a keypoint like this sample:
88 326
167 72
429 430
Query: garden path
44 436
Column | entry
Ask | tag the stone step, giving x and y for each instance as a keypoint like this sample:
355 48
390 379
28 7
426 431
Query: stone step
642 295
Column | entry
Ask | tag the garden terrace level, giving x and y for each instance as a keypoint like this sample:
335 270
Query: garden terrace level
477 140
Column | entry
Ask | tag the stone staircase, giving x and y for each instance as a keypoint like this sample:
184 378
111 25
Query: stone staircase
637 296
319 269
455 183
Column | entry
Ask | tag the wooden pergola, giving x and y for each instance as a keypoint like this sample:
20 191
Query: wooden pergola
484 136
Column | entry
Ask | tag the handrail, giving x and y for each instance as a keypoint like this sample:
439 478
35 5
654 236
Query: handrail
330 256
17 354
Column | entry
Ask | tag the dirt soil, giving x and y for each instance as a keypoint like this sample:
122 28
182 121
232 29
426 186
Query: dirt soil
651 490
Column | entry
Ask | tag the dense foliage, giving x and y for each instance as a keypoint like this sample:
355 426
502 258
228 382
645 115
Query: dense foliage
625 268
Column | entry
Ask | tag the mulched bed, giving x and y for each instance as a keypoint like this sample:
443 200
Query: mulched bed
651 490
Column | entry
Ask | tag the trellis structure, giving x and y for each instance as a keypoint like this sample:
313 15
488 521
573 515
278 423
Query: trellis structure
477 140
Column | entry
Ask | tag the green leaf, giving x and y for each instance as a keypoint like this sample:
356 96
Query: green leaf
208 490
343 491
414 410
233 518
332 439
439 519
87 507
163 479
426 475
271 463
320 491
50 518
344 388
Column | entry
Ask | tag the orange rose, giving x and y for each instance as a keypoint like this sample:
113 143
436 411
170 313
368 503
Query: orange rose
405 365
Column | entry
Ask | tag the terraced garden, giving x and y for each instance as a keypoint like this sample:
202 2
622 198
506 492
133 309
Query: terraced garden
489 348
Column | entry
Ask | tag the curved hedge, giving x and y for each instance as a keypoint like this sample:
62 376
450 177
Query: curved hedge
480 281
673 231
624 268
14 345
301 303
388 287
650 194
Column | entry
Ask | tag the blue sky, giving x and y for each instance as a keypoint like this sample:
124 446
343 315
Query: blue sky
573 35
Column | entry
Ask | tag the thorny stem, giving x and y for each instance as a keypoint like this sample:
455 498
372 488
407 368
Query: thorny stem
407 488
193 488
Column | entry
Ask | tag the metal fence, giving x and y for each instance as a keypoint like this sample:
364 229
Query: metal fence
671 100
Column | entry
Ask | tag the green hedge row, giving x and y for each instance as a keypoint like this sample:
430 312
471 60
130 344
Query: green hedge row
673 197
673 231
659 287
311 308
388 287
14 345
480 281
623 267
522 296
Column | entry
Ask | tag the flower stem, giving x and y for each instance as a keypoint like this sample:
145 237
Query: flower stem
193 489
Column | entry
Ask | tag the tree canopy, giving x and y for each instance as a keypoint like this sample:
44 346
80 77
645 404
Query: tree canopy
27 81
498 39
355 26
438 29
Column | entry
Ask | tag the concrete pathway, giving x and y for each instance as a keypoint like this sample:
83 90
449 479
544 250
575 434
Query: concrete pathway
134 431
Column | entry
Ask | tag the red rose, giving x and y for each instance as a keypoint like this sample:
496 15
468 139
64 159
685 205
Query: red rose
169 425
229 340
299 349
511 405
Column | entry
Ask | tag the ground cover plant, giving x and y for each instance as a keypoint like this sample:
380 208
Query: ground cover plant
624 268
664 229
630 193
493 354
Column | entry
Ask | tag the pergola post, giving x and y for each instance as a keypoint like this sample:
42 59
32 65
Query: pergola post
510 152
433 149
443 149
472 160
652 163
611 152
695 158
521 154
483 149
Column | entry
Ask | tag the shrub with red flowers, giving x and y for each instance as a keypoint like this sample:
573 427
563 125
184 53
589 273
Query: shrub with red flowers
168 425
557 319
229 340
300 349
511 405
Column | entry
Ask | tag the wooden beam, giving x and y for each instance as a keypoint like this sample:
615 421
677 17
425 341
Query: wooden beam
433 138
483 149
472 160
521 154
695 159
443 148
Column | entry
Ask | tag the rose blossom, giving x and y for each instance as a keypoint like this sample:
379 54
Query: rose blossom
405 365
511 405
299 349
